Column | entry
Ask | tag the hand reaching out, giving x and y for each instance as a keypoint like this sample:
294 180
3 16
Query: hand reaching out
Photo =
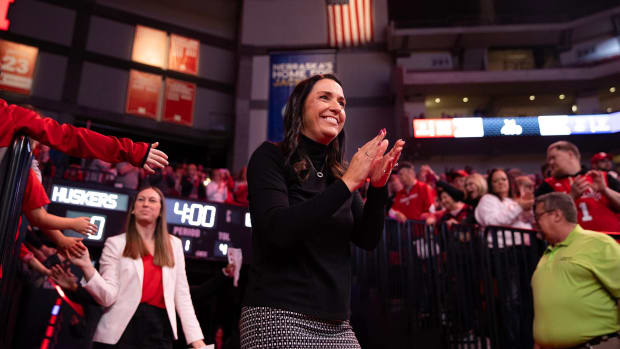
71 246
156 159
64 278
83 226
82 260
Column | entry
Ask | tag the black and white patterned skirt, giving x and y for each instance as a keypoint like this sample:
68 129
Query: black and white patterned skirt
263 327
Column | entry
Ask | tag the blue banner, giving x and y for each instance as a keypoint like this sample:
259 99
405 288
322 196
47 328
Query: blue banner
286 70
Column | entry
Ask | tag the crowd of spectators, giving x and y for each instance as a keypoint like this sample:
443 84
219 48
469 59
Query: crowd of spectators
502 197
186 180
505 197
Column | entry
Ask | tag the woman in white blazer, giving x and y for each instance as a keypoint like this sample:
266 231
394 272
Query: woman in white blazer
142 282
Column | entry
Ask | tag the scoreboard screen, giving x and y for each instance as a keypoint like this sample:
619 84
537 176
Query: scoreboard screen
206 229
544 125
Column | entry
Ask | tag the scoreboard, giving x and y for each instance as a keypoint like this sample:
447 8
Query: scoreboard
206 229
544 125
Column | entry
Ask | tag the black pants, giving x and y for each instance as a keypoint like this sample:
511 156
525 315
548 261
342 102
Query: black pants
149 328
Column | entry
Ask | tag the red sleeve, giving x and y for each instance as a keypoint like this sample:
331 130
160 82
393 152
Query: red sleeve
35 195
75 141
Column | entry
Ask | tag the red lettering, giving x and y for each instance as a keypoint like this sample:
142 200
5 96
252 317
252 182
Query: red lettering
4 11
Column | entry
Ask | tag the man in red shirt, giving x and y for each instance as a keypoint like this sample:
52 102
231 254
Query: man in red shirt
77 141
415 200
596 194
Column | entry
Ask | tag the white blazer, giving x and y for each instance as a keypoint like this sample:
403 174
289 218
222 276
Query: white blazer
118 287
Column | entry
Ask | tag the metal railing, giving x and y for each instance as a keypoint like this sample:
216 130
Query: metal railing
446 287
14 167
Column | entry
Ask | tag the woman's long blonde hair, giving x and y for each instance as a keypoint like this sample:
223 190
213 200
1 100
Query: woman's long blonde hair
134 248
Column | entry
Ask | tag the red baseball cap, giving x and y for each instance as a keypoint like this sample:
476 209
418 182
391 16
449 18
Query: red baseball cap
460 173
600 156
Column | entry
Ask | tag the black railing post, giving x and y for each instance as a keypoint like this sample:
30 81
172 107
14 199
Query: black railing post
14 169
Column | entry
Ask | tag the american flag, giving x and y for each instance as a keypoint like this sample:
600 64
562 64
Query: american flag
349 22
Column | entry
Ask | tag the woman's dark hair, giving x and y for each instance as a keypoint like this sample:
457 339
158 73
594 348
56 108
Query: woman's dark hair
293 124
490 182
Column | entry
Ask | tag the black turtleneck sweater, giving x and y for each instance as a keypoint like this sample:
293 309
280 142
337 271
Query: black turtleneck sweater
302 233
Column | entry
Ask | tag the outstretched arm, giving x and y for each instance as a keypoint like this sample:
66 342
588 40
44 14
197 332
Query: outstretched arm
76 141
44 220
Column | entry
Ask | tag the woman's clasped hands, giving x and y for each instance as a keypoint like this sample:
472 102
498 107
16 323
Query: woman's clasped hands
372 161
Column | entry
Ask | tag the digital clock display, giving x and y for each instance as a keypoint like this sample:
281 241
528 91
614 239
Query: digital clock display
195 214
206 229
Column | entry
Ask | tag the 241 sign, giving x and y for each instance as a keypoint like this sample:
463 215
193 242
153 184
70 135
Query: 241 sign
4 11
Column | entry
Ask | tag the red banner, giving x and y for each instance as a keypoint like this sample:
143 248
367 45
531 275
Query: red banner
433 128
4 11
184 54
17 69
143 94
179 102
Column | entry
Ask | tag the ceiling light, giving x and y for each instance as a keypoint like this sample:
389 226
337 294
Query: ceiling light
612 89
465 99
437 100
532 97
574 108
562 96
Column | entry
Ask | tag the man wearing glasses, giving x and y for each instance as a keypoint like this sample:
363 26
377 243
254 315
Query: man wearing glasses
576 284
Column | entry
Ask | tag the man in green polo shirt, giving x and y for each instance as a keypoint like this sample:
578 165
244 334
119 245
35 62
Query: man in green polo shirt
576 284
